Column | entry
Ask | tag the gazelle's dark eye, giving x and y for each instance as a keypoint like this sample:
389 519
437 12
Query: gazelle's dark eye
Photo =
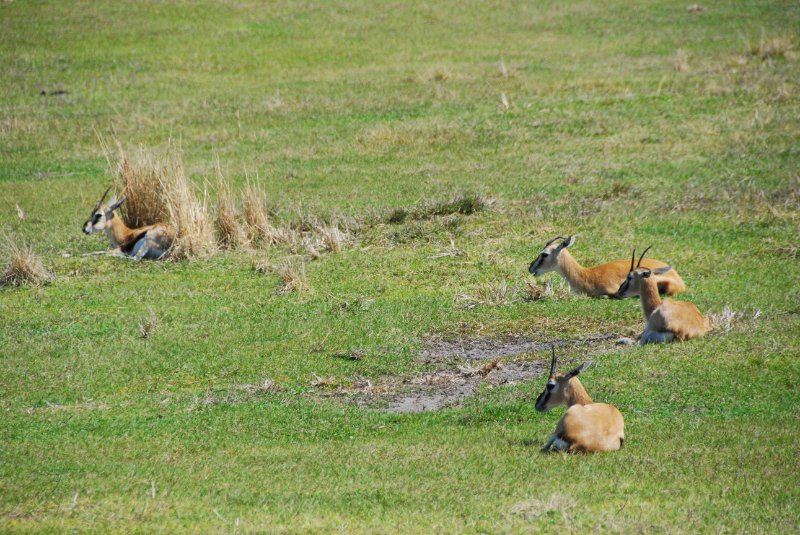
550 386
545 255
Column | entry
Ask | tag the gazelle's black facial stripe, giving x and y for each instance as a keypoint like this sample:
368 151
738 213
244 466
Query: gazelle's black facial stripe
541 401
535 264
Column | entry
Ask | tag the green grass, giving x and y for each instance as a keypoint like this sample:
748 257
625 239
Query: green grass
358 108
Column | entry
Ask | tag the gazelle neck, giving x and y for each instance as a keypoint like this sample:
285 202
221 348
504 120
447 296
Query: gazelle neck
118 231
572 271
577 394
649 296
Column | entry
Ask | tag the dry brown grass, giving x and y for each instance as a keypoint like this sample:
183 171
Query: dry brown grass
333 239
230 234
727 319
140 176
292 275
532 291
771 47
158 190
148 324
681 61
488 294
24 268
259 229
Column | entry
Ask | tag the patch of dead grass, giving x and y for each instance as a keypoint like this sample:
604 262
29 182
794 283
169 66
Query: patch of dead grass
148 324
776 47
292 274
24 267
230 234
140 176
726 320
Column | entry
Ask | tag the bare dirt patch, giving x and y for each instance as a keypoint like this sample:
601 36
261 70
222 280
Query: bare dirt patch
467 364
486 348
435 390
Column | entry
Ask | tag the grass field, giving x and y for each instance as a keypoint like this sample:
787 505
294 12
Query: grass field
626 123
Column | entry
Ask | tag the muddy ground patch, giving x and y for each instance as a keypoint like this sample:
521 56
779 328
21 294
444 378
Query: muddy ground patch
465 365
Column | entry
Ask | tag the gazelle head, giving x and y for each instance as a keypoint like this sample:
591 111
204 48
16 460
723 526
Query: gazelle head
102 213
632 285
548 259
558 389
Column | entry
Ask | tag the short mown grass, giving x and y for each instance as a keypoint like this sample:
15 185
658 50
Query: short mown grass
384 161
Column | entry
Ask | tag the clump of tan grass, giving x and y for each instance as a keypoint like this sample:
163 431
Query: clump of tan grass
188 214
438 74
259 228
292 275
727 319
681 61
24 268
771 47
488 294
333 239
230 234
532 291
140 176
159 191
148 324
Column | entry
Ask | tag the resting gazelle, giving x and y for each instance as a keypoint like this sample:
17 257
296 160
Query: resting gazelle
667 320
149 241
586 426
599 280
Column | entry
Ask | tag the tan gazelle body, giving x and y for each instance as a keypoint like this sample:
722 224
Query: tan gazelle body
667 319
597 281
149 241
586 426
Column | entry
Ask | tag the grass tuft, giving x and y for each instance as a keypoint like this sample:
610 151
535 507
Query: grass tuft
230 234
293 276
259 229
771 47
726 320
140 176
681 61
465 204
189 215
148 324
24 268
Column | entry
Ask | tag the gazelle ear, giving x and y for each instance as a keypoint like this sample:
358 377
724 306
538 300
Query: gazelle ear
662 270
117 203
579 369
566 243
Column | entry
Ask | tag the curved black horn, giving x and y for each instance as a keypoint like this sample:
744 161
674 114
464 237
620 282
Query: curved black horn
96 206
644 253
633 258
553 362
554 239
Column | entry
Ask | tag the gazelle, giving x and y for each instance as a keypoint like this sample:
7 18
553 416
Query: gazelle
149 241
667 319
599 280
586 426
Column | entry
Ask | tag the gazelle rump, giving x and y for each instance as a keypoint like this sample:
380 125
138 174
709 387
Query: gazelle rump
597 281
586 426
149 241
667 319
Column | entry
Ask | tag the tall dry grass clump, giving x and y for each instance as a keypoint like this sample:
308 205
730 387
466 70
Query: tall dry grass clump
230 234
139 175
24 268
188 214
159 191
259 228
